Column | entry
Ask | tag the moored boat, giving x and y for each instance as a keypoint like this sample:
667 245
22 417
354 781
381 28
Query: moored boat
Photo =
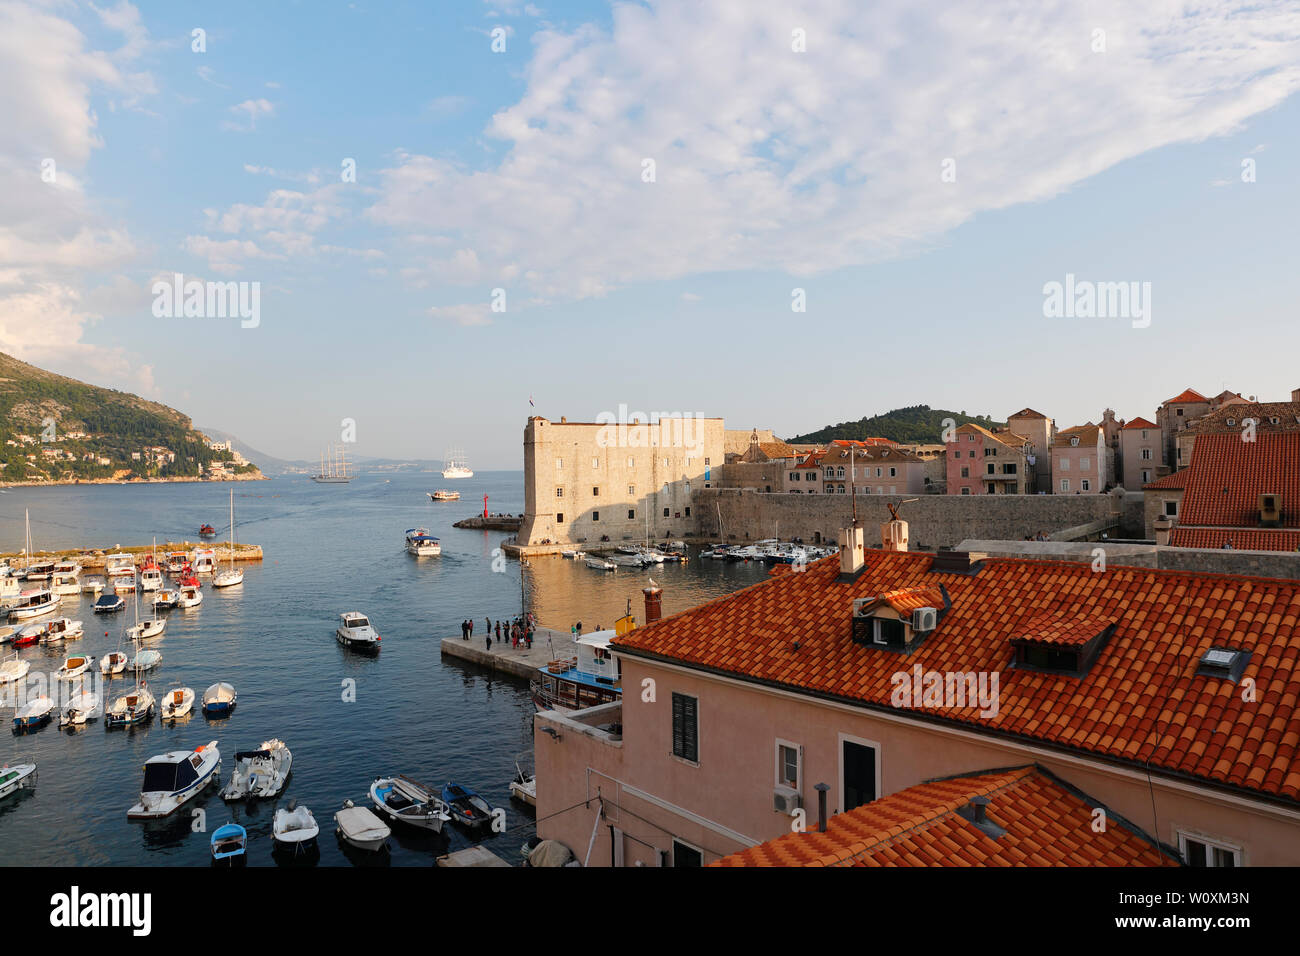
261 773
443 494
219 699
21 776
81 708
62 629
190 596
108 604
294 827
361 828
177 703
35 713
174 778
145 660
597 563
152 627
34 602
151 579
13 670
230 576
74 667
467 807
590 678
166 599
402 799
135 707
112 663
229 843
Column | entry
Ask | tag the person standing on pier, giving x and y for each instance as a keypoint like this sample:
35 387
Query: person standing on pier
470 622
464 632
498 630
488 620
489 641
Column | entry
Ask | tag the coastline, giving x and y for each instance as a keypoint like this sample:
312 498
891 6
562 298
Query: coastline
133 481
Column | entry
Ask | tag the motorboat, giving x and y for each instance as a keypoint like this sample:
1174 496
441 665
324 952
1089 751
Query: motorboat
357 632
62 629
81 708
229 577
174 778
166 598
176 561
443 494
151 579
261 773
467 807
152 627
294 827
422 544
627 560
402 799
524 786
219 699
108 604
229 843
92 586
190 596
177 703
39 571
205 561
207 531
66 583
112 663
20 776
35 713
145 660
13 670
136 707
571 553
123 585
74 667
29 634
119 565
34 602
361 828
597 563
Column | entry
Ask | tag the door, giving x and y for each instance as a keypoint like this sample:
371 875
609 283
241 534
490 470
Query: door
859 762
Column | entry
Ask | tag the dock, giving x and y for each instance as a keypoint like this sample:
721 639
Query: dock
490 523
93 559
516 661
471 856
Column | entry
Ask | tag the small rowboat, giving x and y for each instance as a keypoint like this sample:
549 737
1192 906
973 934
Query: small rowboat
35 713
294 828
360 828
177 703
229 843
467 807
74 667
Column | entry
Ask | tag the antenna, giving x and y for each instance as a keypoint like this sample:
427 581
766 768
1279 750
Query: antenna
893 508
853 484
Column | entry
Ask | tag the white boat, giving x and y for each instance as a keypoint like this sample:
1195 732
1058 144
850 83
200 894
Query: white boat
92 586
229 577
34 713
66 583
422 544
119 565
190 596
123 584
220 699
402 799
112 663
145 660
74 667
598 563
33 603
176 561
135 707
361 828
205 561
62 629
81 708
151 579
357 632
524 786
166 598
174 778
151 627
261 773
455 465
575 555
625 560
14 670
21 776
177 703
294 827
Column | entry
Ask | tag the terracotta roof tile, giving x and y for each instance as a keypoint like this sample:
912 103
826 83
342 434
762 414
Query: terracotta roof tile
1189 396
1241 539
1140 423
1175 481
1067 629
1227 475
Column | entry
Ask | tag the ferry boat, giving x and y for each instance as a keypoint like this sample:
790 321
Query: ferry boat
455 465
333 467
589 679
422 544
174 778
442 494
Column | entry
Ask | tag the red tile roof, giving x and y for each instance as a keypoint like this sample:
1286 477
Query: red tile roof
1177 480
1088 435
1027 413
1227 476
1046 824
907 600
1141 701
1189 396
1063 629
1140 423
1242 539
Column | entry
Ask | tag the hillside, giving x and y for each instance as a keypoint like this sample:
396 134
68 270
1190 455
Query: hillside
917 423
55 428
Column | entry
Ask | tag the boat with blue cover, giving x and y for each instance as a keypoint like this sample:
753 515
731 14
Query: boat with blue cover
229 844
219 699
466 807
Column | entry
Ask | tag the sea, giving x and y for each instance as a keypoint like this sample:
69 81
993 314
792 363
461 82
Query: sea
347 718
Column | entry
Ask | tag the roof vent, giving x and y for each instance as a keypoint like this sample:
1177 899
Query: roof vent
1223 663
975 813
958 562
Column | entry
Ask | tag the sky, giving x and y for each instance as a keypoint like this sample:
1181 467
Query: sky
564 209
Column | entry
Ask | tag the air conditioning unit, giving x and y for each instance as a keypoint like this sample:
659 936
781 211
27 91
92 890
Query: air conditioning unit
925 619
785 800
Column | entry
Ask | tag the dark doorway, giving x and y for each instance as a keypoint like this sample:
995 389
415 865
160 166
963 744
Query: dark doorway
859 775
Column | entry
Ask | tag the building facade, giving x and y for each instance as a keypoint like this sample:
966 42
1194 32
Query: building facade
1079 457
981 462
1140 453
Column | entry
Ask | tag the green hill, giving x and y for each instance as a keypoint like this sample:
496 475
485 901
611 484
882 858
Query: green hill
917 423
54 428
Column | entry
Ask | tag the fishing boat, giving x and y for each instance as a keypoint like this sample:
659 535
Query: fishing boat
402 799
524 786
29 634
14 670
333 466
62 629
294 827
81 708
219 699
166 599
442 494
151 579
597 563
361 828
229 843
357 633
261 773
20 776
145 660
108 604
34 602
35 713
467 807
422 544
229 577
112 663
589 678
189 596
74 667
207 531
173 779
176 561
177 703
135 707
455 465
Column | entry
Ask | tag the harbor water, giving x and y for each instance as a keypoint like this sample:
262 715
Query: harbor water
347 718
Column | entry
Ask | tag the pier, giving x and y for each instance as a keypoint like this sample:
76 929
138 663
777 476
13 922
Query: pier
490 523
93 559
516 661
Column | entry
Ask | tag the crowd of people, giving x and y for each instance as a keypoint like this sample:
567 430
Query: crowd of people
518 631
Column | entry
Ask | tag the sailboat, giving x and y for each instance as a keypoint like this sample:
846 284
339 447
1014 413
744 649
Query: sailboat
455 465
333 470
231 575
136 706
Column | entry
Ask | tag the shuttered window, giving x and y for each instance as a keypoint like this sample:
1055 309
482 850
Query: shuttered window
686 728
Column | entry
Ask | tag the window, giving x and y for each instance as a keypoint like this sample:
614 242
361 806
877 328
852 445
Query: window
1065 484
595 491
794 476
841 489
990 468
1065 464
1179 412
1009 468
877 472
665 512
965 491
686 855
893 473
1146 477
631 489
688 511
631 512
595 516
1074 442
559 492
1144 434
1086 484
858 773
888 632
1171 509
1146 454
787 765
1199 851
1231 422
629 461
1083 464
595 464
686 727
559 464
970 437
965 472
559 517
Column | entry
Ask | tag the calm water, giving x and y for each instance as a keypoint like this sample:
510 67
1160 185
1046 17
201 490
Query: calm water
329 549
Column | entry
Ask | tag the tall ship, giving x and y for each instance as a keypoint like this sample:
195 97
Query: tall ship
455 465
334 466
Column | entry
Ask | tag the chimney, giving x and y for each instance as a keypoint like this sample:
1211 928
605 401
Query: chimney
1295 394
893 535
852 557
653 608
1163 525
821 789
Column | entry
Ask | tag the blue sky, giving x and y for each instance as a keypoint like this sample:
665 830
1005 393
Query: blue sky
522 170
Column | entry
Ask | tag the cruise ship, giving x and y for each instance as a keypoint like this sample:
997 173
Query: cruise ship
455 465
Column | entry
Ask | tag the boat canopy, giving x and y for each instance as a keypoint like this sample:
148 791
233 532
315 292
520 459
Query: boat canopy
168 773
252 754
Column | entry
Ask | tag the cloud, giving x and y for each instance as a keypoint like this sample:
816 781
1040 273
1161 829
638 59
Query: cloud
250 110
770 159
473 313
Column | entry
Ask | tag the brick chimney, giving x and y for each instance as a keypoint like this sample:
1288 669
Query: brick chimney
653 602
852 556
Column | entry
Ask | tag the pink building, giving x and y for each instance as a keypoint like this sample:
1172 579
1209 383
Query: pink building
1140 451
981 462
1079 460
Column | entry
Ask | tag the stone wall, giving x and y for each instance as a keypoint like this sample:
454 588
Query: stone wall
935 520
1267 564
